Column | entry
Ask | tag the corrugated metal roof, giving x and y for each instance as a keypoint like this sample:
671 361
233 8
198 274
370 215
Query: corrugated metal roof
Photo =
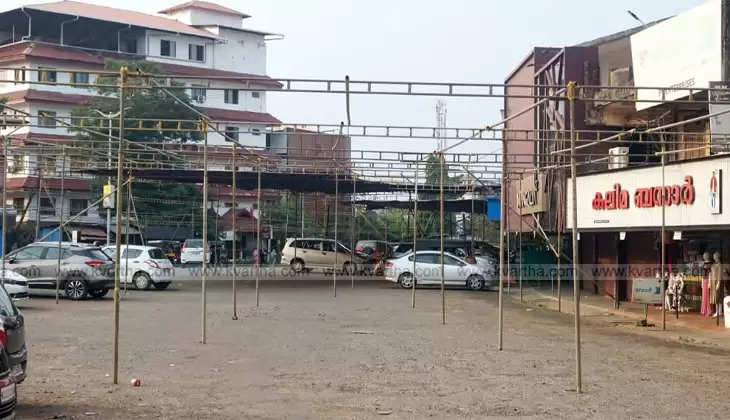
239 116
112 14
204 5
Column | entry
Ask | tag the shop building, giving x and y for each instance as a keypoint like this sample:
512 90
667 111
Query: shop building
620 215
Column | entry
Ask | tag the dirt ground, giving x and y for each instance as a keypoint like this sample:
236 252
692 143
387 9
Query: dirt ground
365 354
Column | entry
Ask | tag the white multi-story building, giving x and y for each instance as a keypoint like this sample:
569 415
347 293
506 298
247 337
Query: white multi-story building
198 39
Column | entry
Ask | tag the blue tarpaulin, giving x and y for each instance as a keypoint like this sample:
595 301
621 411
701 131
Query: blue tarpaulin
494 209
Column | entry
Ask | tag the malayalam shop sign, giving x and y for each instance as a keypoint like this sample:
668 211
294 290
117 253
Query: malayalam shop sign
689 194
668 195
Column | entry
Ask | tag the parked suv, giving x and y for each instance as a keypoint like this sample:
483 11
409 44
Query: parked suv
310 253
148 266
85 270
12 337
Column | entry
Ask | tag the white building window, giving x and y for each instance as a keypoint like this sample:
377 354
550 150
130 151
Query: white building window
47 119
256 131
196 52
232 133
167 48
80 78
47 75
19 75
197 93
255 94
231 96
78 206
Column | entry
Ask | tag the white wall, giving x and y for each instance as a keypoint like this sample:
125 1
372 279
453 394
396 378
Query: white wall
242 52
205 17
245 138
181 49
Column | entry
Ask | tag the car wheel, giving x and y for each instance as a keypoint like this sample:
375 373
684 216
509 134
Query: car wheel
142 281
474 282
76 289
98 293
162 285
406 280
297 265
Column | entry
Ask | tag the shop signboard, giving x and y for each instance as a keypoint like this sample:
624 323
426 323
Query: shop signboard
681 52
532 196
690 195
647 290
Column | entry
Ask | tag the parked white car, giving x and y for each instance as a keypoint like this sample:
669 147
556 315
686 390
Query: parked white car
16 285
318 253
192 252
148 266
457 271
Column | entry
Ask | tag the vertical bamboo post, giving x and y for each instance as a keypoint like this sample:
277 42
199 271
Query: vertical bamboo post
118 237
233 227
664 252
441 205
574 234
5 201
204 279
336 243
519 211
506 223
500 322
559 226
258 231
60 223
415 235
352 250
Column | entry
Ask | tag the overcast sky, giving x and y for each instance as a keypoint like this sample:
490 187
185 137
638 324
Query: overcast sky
477 41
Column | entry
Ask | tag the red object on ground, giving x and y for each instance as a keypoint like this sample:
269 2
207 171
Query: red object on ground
136 382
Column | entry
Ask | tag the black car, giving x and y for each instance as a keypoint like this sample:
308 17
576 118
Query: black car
12 336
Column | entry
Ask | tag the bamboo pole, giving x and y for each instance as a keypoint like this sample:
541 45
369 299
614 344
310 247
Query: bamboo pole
500 315
233 226
336 244
4 210
415 235
204 279
258 232
60 223
118 238
574 216
352 250
519 209
441 204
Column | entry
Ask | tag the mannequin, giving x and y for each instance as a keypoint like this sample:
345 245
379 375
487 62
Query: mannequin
675 290
715 284
705 307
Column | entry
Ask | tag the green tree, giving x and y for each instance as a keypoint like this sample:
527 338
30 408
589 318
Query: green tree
169 202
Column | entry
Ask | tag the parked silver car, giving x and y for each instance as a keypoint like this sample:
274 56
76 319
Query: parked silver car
85 270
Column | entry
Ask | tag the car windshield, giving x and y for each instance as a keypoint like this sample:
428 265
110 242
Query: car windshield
156 254
194 243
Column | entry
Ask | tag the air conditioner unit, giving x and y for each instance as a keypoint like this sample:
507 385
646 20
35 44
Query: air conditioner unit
618 157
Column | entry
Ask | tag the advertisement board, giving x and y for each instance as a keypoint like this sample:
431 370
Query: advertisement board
646 290
684 51
691 195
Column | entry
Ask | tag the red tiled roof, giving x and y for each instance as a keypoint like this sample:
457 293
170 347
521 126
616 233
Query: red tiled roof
31 182
204 5
111 14
33 95
245 221
218 114
254 79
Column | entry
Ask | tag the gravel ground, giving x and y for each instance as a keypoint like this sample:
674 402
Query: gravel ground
365 354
